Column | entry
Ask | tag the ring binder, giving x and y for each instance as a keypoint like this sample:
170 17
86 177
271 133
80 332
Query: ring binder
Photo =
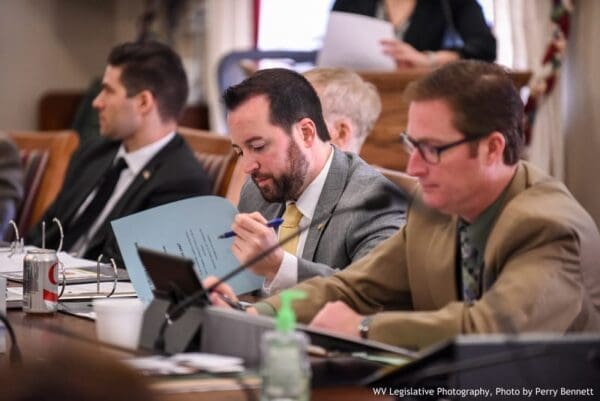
56 221
17 246
115 278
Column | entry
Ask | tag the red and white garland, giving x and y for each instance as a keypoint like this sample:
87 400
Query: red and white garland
542 83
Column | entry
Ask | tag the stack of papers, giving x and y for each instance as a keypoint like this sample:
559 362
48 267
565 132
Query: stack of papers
77 270
14 295
188 363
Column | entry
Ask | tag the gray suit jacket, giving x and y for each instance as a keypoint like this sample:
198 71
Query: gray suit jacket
11 182
341 237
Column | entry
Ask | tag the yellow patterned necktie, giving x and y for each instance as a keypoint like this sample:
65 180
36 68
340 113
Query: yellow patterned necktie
291 221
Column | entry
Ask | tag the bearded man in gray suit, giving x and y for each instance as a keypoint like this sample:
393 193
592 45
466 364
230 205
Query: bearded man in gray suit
276 125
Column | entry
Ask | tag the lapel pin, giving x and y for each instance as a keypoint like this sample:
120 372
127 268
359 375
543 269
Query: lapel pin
320 226
146 175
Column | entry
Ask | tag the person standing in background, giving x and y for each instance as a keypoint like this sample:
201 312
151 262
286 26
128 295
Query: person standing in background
429 33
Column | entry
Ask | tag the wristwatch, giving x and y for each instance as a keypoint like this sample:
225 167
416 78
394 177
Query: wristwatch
363 327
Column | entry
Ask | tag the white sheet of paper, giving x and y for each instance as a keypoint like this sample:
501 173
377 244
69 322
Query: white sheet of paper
187 228
352 41
187 363
210 362
158 365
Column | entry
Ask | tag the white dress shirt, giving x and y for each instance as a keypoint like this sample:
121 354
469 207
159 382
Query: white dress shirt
136 161
287 275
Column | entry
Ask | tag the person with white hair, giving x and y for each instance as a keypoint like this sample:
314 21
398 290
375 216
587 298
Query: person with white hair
350 105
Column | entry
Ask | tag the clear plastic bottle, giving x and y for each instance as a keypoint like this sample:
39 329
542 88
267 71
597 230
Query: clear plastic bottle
285 366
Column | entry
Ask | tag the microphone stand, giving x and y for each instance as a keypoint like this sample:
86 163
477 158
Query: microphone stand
15 352
186 304
375 202
200 293
175 294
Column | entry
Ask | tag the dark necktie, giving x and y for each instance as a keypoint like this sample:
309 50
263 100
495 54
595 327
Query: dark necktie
470 271
84 221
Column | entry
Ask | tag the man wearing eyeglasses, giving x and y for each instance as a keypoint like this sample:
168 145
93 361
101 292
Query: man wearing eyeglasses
491 244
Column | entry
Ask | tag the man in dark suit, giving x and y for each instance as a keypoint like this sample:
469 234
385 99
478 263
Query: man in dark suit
276 125
138 163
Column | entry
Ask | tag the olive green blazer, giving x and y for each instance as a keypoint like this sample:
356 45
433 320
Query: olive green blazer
541 272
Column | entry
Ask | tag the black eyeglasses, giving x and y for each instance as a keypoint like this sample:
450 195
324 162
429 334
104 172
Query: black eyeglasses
430 153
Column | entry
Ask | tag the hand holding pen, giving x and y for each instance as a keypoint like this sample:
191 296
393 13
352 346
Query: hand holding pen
254 234
275 223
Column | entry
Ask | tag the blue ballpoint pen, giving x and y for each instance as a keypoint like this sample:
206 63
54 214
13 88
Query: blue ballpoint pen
273 224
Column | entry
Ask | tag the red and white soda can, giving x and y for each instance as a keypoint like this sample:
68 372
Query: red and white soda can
40 281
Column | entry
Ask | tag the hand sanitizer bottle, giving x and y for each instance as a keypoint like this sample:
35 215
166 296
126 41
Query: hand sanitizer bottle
285 366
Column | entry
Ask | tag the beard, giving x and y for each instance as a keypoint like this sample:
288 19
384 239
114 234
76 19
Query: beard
288 185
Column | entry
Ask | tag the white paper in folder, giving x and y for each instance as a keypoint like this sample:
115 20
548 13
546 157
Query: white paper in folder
352 41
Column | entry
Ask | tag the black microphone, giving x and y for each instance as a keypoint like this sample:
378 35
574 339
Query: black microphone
376 202
388 192
379 201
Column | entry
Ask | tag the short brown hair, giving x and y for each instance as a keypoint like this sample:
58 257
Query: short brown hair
482 97
155 67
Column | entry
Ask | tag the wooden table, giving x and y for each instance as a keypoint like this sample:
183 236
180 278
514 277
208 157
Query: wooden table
37 334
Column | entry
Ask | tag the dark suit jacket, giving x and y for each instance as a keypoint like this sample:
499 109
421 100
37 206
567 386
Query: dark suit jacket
172 174
343 237
540 272
428 25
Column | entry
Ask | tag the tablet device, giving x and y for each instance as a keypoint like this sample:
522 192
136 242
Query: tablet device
172 276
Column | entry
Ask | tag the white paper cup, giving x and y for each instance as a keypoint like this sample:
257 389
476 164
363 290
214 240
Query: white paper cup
119 321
